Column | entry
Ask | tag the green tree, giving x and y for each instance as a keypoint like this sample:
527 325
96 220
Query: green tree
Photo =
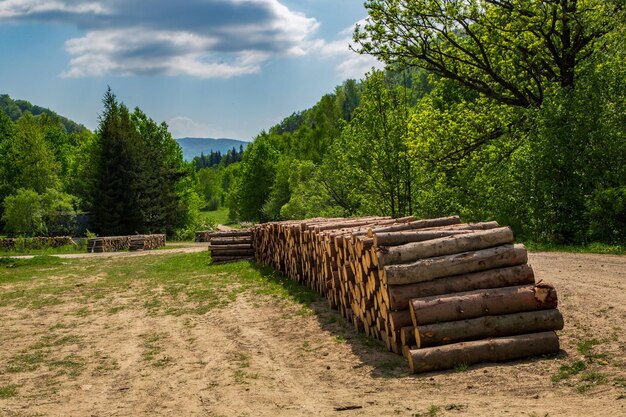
507 50
375 154
255 179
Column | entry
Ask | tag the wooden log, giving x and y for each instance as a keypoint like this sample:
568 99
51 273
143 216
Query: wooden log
399 319
419 224
491 302
401 238
448 265
436 334
232 252
398 296
490 350
448 245
232 240
231 233
407 336
236 246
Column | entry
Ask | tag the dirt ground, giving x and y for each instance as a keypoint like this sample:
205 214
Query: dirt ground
260 357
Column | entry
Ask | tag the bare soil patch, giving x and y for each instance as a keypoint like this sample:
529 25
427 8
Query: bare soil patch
110 354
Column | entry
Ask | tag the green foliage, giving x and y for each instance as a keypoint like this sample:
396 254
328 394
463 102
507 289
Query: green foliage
28 213
23 214
256 179
17 108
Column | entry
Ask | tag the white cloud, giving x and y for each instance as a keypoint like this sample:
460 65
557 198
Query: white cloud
202 38
352 64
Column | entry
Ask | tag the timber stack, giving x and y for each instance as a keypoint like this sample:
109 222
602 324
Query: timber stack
230 245
119 243
438 291
203 235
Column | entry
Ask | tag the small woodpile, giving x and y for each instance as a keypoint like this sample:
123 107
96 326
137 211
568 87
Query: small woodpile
146 242
119 243
203 235
439 291
231 246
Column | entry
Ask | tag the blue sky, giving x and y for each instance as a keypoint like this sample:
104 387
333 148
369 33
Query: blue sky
210 68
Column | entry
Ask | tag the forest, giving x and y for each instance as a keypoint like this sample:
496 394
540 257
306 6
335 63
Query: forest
493 110
512 111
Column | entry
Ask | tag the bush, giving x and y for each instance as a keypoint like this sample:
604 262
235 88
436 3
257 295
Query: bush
28 213
606 209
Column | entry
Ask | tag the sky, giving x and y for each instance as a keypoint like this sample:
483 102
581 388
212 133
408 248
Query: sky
209 68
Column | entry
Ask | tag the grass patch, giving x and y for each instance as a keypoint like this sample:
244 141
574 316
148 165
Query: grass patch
601 248
461 367
585 348
565 371
8 391
25 362
71 365
589 380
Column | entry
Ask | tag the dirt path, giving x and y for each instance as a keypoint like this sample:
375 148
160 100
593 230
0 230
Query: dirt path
266 357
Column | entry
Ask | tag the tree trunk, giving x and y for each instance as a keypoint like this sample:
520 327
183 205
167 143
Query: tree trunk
489 350
448 265
400 295
448 245
491 302
437 334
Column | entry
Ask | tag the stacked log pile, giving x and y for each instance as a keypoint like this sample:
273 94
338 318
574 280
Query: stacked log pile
35 242
146 242
119 243
385 275
203 235
230 246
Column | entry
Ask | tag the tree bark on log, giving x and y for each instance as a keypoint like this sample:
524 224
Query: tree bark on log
448 245
490 350
231 233
407 336
232 252
400 295
491 302
234 246
402 238
419 224
461 263
437 334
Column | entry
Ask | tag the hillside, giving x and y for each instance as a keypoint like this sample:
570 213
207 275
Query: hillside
16 108
195 146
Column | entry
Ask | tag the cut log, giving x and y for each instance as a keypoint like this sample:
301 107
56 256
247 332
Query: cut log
437 334
491 302
232 252
402 238
490 350
399 295
407 336
419 224
399 319
448 245
231 240
448 265
238 246
231 233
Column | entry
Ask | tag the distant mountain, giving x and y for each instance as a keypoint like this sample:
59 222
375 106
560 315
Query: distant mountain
195 146
16 108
